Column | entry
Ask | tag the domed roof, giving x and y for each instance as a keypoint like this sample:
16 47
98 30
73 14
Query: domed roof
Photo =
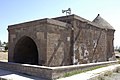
102 23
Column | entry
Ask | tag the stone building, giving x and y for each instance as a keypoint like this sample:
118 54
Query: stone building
61 41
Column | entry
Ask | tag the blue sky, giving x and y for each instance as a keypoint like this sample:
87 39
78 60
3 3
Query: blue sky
17 11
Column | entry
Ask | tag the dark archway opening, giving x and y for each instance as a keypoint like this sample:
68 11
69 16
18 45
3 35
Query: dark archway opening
26 52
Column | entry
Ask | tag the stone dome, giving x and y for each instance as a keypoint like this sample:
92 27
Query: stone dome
102 23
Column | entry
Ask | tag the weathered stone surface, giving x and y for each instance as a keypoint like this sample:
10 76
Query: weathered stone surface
60 41
92 43
50 40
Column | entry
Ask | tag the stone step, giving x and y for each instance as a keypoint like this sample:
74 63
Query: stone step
9 75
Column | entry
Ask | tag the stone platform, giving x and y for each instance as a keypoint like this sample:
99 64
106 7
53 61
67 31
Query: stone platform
48 73
9 75
97 74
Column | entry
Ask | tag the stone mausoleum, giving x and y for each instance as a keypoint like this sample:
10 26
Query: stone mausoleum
61 41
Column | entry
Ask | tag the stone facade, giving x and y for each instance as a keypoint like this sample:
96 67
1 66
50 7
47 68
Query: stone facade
60 41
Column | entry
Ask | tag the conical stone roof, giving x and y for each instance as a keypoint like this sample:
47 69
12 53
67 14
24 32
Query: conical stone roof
102 23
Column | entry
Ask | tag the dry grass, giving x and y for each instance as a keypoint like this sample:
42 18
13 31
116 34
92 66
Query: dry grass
4 56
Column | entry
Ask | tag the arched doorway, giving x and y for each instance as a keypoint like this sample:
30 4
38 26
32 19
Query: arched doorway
25 51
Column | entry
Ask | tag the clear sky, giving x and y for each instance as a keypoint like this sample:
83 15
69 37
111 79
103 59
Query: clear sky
17 11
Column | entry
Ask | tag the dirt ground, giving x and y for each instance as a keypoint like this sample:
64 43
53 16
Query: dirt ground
4 56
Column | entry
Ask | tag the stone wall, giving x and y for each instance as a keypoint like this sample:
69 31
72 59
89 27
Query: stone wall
90 43
34 31
110 45
58 46
51 37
